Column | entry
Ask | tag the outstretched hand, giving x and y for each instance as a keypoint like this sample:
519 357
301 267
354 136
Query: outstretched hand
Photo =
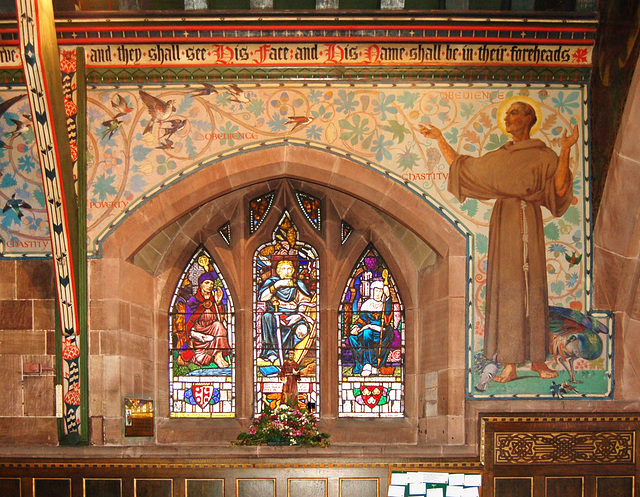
569 141
430 131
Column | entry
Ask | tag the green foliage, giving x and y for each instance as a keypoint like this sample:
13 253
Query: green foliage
283 426
551 231
398 130
471 206
482 243
572 215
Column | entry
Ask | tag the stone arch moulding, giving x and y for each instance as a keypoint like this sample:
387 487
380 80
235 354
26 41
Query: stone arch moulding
345 174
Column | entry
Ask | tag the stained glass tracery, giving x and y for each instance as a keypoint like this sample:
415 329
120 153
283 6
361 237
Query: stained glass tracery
311 208
286 320
259 209
371 328
201 341
225 232
345 232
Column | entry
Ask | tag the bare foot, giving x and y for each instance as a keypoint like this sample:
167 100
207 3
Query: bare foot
509 373
543 370
220 360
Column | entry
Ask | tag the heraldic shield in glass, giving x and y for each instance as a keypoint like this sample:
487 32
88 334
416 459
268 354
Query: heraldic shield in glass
371 329
286 325
201 341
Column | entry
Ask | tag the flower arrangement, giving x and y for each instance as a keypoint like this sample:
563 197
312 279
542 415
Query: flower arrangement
283 426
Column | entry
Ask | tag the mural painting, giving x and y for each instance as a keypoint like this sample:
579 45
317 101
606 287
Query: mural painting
286 320
144 141
201 341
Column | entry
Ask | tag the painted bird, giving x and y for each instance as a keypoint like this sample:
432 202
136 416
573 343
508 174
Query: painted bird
557 391
236 94
574 335
21 128
573 259
159 110
569 388
171 127
121 105
4 106
298 121
207 89
15 204
165 144
112 125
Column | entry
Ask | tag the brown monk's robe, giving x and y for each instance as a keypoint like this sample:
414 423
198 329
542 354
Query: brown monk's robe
520 176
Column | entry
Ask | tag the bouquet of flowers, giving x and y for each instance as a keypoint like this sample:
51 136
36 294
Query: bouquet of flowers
283 426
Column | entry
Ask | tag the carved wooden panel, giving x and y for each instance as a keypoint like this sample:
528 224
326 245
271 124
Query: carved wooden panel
566 447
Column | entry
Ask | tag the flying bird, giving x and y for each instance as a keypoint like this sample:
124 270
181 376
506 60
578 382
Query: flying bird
21 128
489 371
112 126
4 106
573 259
574 335
298 121
171 127
236 94
207 89
4 145
159 110
165 144
16 204
121 105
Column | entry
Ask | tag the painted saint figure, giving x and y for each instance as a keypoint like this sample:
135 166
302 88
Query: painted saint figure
372 333
205 315
522 176
290 374
284 323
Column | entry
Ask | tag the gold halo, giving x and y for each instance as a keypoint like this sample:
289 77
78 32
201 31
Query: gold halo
504 106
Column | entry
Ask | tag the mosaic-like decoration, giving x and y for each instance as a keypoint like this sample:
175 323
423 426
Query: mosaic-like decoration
286 320
201 342
371 327
225 232
259 210
311 208
345 232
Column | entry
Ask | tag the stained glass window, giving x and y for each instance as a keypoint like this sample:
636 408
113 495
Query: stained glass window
259 210
371 328
225 232
286 324
345 232
311 208
201 341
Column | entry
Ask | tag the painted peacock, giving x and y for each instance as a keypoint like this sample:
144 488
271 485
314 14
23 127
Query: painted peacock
574 335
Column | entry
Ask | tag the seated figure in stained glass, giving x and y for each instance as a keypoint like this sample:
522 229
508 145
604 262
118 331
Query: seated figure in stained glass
372 332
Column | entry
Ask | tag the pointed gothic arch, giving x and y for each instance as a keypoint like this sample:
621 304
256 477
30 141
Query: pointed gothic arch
201 342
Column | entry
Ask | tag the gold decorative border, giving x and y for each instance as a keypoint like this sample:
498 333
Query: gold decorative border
272 480
564 477
547 418
325 480
567 447
51 479
136 480
530 478
187 480
377 480
84 486
633 482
